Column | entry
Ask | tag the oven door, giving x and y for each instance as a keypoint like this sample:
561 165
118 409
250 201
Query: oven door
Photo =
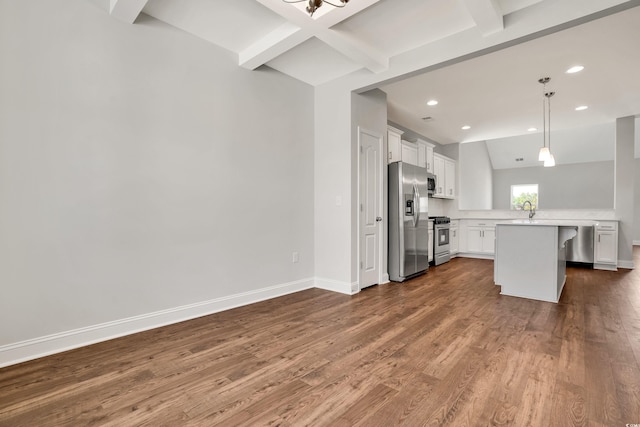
441 238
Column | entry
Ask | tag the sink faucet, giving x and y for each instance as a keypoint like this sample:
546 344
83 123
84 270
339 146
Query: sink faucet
532 210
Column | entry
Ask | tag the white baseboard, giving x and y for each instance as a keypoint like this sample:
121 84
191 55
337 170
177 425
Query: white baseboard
337 286
385 279
23 351
636 243
625 264
474 255
609 267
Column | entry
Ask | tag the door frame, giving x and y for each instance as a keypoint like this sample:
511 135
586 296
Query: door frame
381 162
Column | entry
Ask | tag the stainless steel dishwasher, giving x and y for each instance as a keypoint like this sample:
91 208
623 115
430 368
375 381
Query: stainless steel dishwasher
580 248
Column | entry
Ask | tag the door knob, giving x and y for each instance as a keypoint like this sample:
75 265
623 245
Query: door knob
378 218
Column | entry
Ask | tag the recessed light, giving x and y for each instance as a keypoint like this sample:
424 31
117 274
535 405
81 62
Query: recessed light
466 127
532 129
575 69
432 102
581 108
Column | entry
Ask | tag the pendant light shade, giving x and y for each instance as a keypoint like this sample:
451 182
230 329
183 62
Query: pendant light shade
544 154
550 162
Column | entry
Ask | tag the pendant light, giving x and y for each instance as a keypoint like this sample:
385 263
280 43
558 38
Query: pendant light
544 154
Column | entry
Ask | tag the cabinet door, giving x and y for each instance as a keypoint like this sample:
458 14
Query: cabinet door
393 142
422 154
474 239
454 240
438 170
409 153
449 179
605 247
488 240
429 159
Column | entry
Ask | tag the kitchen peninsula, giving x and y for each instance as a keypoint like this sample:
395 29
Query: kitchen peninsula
530 259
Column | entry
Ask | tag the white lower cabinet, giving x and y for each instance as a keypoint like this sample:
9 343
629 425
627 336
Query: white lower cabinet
478 237
605 245
454 238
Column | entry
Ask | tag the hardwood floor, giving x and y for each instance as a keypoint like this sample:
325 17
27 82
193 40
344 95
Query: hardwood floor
442 349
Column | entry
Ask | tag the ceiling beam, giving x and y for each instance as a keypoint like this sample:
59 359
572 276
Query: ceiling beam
287 37
126 10
280 40
355 50
486 14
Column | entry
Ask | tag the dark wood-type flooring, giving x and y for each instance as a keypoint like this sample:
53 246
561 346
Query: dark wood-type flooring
442 349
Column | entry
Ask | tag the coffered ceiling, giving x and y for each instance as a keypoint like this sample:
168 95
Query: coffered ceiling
494 52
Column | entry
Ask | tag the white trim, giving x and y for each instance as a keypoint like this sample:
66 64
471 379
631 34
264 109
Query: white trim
337 286
56 343
636 243
381 163
626 264
474 255
385 278
609 267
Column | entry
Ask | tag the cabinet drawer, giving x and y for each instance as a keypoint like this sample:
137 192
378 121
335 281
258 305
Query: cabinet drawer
479 223
611 226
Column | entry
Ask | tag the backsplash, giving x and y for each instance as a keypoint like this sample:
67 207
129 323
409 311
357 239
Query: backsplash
439 207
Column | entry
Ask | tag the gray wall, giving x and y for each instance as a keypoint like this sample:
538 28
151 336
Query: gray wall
574 186
624 185
636 188
476 177
141 169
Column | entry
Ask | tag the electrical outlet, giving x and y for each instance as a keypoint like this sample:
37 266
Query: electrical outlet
295 257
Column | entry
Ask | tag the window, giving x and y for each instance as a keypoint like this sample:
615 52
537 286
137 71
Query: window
521 193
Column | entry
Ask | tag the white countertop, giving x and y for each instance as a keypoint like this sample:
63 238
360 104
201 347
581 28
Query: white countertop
549 222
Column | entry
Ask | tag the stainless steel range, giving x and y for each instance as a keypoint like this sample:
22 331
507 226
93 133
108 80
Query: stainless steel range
441 226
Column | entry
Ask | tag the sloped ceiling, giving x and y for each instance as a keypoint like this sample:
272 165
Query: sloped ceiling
494 52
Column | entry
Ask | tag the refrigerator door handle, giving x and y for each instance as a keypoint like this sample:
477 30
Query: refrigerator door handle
416 197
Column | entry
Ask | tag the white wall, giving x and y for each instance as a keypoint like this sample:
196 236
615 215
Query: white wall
334 226
476 177
140 170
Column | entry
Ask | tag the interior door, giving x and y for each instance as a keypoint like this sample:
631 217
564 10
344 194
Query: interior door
370 207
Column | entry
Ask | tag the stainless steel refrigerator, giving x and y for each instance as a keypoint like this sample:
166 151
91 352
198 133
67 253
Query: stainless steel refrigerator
408 221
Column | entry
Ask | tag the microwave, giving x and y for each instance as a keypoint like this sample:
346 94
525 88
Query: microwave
431 184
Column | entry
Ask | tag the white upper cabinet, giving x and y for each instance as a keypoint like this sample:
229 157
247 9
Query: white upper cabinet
449 179
444 169
394 137
409 152
430 158
425 155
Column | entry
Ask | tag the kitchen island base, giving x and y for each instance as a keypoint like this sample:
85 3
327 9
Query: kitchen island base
530 259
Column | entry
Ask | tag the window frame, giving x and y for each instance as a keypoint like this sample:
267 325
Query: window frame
519 207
